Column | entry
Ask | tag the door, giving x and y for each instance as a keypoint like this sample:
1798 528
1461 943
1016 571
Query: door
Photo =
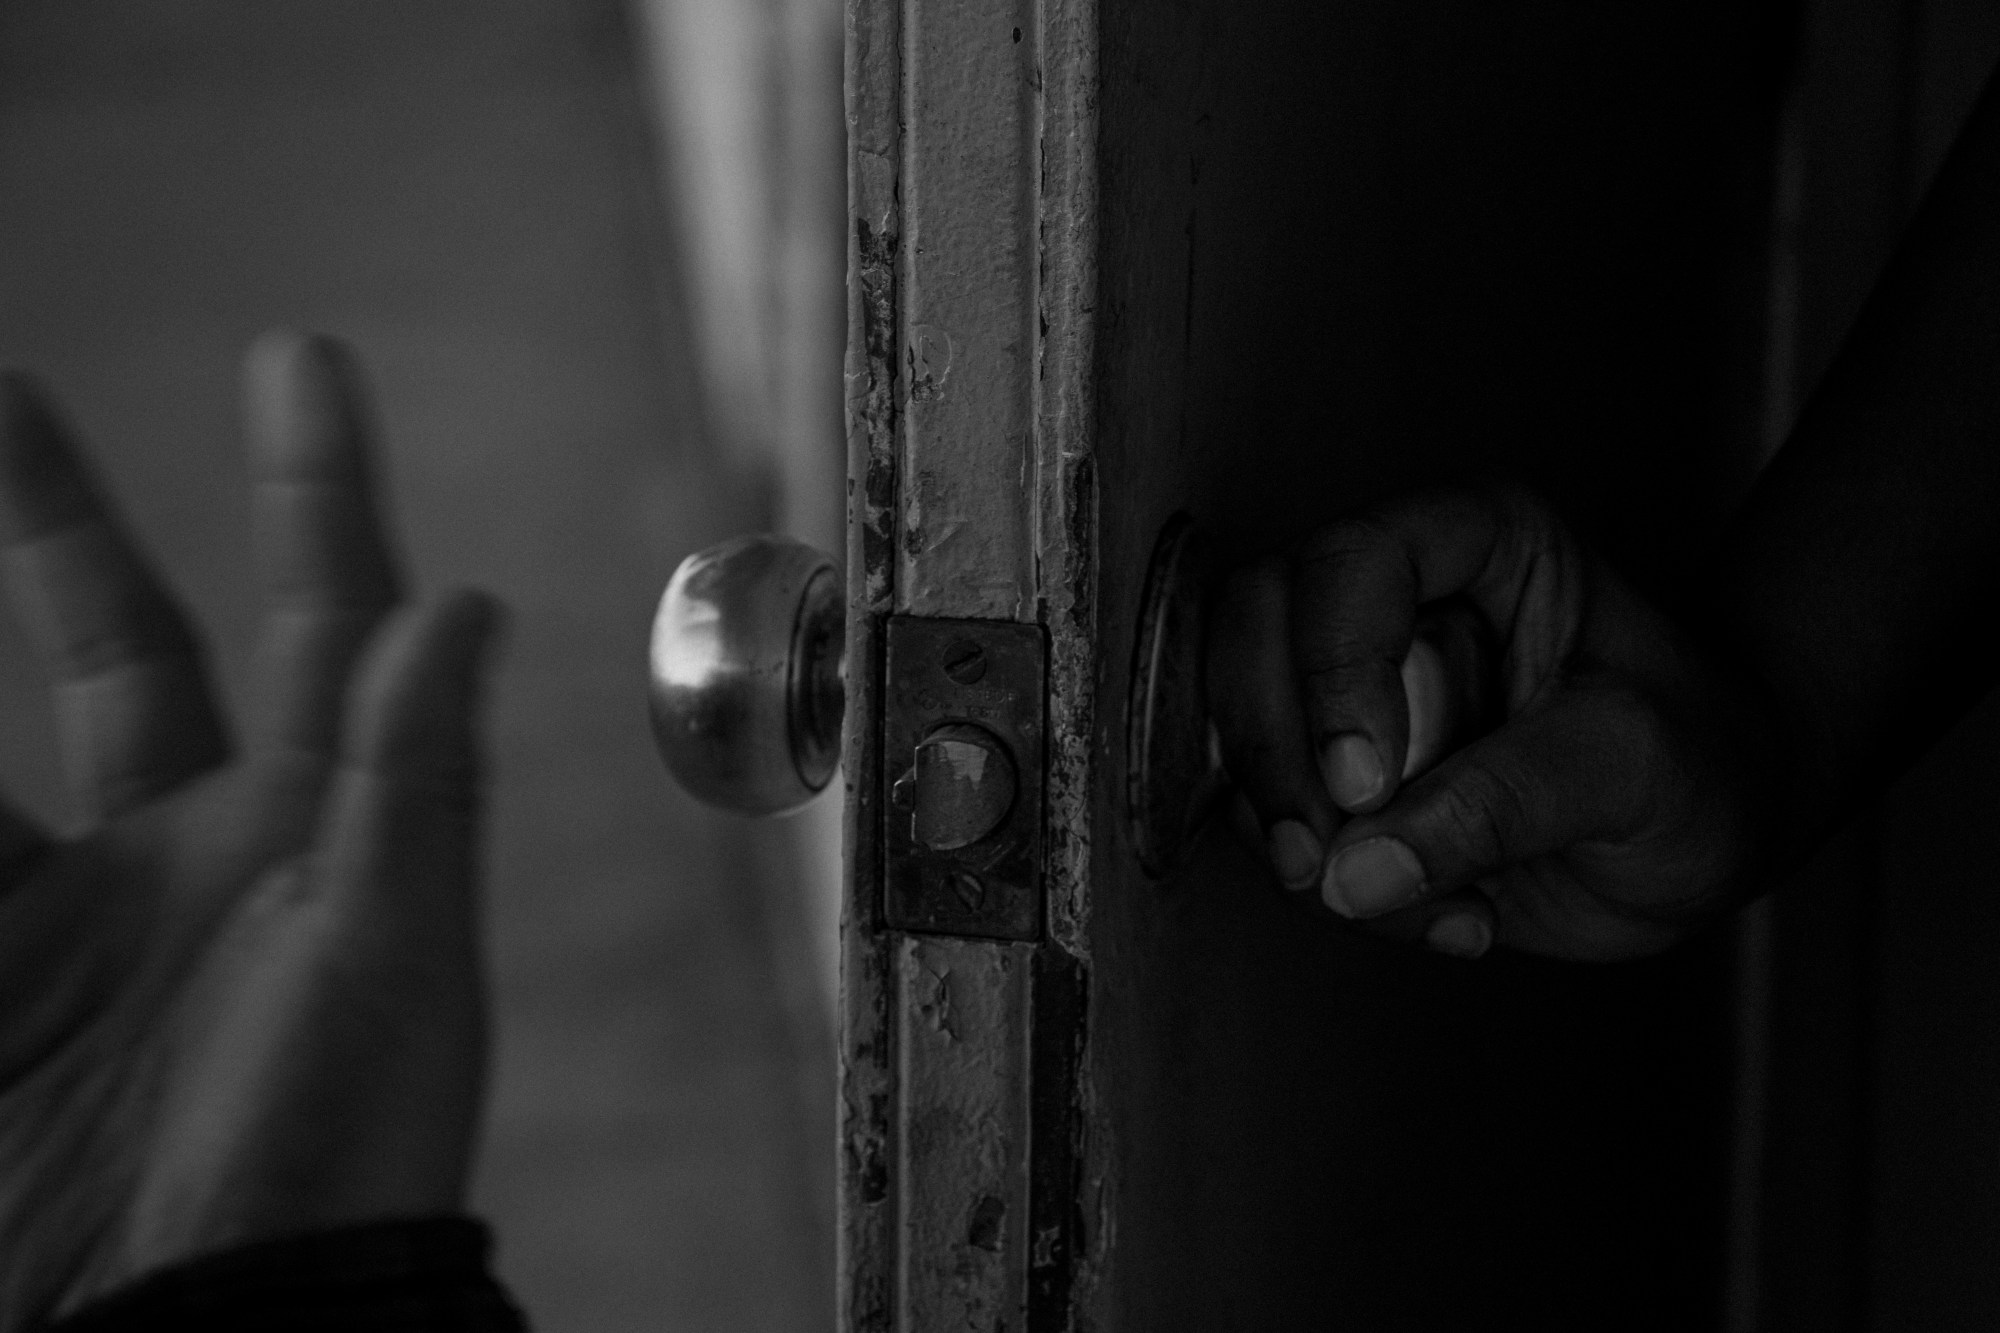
1260 263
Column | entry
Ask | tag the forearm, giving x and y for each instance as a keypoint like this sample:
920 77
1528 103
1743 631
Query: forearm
1859 582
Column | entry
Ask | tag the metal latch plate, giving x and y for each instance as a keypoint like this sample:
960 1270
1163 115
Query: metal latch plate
962 713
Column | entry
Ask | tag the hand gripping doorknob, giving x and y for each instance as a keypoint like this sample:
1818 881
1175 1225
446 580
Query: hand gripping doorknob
746 674
747 688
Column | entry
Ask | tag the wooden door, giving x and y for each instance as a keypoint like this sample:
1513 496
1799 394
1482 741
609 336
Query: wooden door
1263 262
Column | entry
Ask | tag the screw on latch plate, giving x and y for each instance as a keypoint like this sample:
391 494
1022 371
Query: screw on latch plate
965 662
962 761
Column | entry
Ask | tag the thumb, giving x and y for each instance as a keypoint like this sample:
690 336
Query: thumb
398 868
337 1077
1574 769
401 828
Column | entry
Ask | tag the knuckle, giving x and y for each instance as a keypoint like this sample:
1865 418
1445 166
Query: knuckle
1257 580
1363 539
1637 749
1357 637
1634 721
1528 529
1362 694
1348 665
1520 509
1251 601
1477 813
1519 502
1625 751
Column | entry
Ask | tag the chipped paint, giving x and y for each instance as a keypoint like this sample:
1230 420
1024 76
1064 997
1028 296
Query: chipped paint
871 408
1072 1151
867 1156
866 1239
962 1136
1065 456
967 291
930 355
934 1003
971 494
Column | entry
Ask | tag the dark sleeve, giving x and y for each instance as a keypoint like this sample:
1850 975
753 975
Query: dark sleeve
425 1275
1860 579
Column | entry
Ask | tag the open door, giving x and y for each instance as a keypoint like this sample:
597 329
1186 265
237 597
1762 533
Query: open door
1257 263
1129 283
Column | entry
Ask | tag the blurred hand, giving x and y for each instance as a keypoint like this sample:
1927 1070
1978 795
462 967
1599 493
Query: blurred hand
1626 795
243 1000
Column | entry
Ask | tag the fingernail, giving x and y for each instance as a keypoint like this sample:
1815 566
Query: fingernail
1295 853
1372 877
1460 934
1352 769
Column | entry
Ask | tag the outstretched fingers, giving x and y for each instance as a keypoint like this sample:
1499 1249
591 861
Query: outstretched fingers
134 710
327 575
347 1087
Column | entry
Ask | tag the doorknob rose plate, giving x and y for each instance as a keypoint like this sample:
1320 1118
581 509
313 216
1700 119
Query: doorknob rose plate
746 674
1172 775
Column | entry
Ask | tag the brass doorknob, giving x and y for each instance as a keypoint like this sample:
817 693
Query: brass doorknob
747 667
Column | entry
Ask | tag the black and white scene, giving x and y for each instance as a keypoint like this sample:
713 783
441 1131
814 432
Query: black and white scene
1000 666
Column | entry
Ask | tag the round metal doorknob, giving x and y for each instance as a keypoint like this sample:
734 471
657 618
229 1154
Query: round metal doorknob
746 674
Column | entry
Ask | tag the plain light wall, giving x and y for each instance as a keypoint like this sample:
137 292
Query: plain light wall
746 101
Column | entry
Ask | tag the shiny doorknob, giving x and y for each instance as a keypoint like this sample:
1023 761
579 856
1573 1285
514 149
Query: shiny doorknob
747 667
